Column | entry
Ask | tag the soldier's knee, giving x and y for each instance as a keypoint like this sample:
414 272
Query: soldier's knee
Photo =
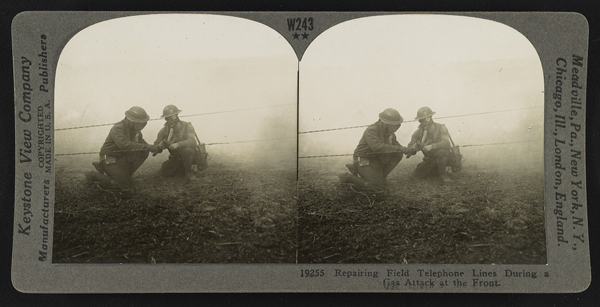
183 152
439 153
189 151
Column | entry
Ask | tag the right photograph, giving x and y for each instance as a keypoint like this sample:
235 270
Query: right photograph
421 142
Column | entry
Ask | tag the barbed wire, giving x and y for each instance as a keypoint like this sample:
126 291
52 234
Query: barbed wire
321 156
229 111
414 120
528 141
471 145
325 156
77 153
199 114
303 132
251 141
207 144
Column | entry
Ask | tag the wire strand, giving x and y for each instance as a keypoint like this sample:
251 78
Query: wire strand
237 142
414 120
474 145
304 132
207 144
322 156
471 145
199 114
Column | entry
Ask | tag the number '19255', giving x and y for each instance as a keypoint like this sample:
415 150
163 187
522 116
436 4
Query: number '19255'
312 273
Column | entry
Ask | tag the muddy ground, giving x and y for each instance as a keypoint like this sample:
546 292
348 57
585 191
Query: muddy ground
486 215
233 213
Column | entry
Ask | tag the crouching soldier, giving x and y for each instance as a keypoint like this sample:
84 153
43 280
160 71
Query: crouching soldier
179 138
123 151
377 154
433 140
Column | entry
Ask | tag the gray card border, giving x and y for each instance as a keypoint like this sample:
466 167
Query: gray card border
554 35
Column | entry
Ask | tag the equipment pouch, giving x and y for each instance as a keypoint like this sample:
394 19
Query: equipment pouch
456 158
201 157
110 160
363 161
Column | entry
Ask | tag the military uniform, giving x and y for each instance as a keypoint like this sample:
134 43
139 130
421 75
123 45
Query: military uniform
377 154
181 159
436 159
123 151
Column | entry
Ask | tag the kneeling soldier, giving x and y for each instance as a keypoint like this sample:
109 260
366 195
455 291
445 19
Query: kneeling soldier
433 140
377 154
123 151
179 138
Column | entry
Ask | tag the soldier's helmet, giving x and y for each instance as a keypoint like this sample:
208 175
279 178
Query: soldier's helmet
391 117
170 110
424 112
137 115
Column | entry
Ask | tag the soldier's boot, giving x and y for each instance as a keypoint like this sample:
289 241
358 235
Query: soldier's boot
344 177
98 166
445 178
352 168
190 176
357 181
95 176
89 176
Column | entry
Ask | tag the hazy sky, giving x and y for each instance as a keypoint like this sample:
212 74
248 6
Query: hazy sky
454 65
173 37
350 73
200 63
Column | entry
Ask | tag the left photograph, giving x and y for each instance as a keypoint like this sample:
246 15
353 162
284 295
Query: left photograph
175 140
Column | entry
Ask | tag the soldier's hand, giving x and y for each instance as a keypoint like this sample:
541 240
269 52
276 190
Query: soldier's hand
174 146
427 148
410 152
159 150
153 148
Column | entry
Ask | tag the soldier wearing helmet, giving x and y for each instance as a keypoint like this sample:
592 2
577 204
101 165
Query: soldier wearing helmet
433 140
179 138
123 151
377 154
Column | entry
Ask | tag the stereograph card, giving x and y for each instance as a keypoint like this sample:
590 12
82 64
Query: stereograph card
300 152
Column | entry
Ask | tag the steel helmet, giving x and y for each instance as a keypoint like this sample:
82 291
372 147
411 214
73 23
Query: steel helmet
170 110
137 115
424 112
391 117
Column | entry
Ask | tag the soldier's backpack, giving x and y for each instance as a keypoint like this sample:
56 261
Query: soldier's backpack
455 157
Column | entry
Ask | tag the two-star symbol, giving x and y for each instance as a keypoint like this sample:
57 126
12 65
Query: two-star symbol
304 35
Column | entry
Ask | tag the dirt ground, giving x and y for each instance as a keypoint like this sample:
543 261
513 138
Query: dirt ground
257 213
486 215
233 213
